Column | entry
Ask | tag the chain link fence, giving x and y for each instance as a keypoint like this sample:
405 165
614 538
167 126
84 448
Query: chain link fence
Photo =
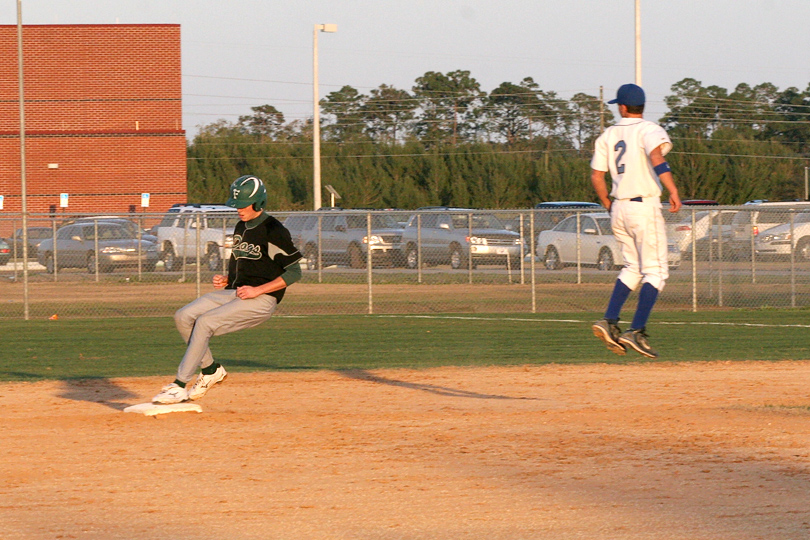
436 260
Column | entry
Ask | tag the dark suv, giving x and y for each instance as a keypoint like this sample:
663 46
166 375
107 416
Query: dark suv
448 237
344 238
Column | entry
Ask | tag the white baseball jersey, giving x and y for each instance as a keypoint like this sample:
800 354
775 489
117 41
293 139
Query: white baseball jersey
624 150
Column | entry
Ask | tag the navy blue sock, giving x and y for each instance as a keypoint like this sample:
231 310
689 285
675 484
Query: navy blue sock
646 301
617 300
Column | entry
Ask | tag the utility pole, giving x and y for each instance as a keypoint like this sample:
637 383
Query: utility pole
23 187
638 42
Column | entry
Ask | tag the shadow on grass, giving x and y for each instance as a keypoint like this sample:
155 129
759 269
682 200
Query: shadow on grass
363 375
99 390
265 366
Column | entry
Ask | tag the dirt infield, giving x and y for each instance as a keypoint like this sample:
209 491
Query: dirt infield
643 451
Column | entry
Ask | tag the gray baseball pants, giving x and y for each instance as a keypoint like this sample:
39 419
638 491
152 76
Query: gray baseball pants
214 314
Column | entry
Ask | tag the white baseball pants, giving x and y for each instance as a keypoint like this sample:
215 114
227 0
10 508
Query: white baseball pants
641 232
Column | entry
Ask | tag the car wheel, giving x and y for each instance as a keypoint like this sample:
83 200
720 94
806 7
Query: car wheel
355 257
213 259
91 263
552 259
411 257
49 266
311 254
605 261
803 249
456 257
170 260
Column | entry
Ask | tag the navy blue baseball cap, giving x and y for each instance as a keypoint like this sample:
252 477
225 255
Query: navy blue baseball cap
629 94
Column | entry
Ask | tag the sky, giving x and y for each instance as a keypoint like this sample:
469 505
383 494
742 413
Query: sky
239 54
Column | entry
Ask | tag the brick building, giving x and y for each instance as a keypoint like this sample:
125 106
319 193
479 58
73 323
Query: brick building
103 116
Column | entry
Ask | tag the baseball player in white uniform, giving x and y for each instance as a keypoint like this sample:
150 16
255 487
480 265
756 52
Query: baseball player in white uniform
633 151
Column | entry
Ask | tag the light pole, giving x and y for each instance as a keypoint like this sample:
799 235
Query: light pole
316 115
638 42
23 186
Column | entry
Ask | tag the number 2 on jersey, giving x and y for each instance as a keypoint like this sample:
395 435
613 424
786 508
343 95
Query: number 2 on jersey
621 148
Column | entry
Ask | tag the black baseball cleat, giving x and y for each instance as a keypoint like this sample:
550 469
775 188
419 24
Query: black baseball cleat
637 340
609 334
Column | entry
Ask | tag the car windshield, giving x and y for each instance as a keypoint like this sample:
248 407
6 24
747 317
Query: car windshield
111 232
384 222
479 221
803 218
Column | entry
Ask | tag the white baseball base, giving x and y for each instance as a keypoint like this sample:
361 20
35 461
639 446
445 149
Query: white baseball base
152 409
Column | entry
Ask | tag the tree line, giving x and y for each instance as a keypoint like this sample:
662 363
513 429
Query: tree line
447 142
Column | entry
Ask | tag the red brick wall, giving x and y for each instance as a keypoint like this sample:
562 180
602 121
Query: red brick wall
103 102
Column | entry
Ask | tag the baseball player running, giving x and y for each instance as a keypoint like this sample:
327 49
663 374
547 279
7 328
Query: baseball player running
633 151
263 263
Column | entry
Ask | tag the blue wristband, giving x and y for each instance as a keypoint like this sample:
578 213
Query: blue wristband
662 168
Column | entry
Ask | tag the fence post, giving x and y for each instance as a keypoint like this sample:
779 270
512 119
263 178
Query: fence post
418 248
753 253
720 258
95 244
14 237
694 266
182 251
469 247
792 262
140 253
532 263
224 240
320 259
55 255
579 249
197 251
369 263
522 255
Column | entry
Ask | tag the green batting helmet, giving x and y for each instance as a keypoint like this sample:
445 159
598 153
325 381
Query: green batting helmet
247 190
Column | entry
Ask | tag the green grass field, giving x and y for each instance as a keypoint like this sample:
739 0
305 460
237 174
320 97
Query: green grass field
66 349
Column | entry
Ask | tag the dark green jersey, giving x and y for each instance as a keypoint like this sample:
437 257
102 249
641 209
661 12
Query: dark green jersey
262 249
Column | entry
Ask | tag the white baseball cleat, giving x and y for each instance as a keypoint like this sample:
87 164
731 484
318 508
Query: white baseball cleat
171 393
204 383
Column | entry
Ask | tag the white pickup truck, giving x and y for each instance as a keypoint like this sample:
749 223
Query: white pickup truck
178 235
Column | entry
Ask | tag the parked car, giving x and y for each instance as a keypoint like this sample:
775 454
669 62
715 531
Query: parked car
344 238
710 229
128 224
446 238
779 240
5 252
555 211
177 235
299 225
76 248
597 245
35 236
763 215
